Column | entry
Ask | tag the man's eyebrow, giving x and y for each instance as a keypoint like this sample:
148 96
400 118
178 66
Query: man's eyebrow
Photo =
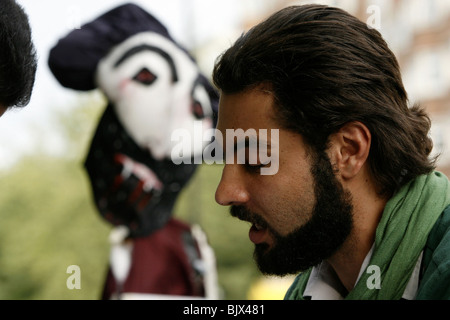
146 47
246 143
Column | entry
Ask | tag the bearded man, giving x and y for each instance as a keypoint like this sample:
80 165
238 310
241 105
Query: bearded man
355 207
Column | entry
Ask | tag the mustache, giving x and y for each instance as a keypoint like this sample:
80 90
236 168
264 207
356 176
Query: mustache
244 214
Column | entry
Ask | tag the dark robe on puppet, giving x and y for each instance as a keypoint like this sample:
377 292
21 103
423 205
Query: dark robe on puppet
153 87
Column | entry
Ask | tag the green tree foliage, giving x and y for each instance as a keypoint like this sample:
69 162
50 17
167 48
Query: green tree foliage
47 224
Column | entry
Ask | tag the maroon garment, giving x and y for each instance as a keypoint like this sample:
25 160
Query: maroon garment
162 263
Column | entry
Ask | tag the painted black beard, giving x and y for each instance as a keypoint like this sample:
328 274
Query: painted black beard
317 240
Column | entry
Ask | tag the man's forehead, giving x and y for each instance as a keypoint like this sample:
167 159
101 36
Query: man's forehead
249 109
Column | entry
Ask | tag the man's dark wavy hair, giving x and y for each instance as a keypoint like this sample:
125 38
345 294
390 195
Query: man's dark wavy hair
18 61
327 68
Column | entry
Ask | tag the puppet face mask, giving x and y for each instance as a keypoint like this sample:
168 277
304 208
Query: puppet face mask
155 89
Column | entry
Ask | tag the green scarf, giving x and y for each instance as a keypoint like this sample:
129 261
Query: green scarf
400 238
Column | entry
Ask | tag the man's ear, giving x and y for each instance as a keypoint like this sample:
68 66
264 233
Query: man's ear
349 149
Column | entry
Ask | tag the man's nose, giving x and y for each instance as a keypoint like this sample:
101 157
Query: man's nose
231 189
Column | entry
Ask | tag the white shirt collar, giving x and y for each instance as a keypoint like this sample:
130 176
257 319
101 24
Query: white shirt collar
324 284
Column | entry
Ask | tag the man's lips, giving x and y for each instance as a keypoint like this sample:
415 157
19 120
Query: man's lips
257 234
259 231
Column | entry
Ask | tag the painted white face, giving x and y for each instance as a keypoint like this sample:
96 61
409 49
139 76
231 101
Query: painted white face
152 85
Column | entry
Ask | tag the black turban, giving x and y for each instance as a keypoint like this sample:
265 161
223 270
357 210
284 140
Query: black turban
73 61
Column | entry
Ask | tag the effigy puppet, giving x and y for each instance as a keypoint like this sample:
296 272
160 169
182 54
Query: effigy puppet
153 87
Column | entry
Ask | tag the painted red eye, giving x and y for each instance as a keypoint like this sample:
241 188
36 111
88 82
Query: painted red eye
197 110
145 77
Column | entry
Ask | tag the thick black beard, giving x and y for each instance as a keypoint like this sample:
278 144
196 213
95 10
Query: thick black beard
317 240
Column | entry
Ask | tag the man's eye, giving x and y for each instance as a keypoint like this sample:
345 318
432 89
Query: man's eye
255 167
145 76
